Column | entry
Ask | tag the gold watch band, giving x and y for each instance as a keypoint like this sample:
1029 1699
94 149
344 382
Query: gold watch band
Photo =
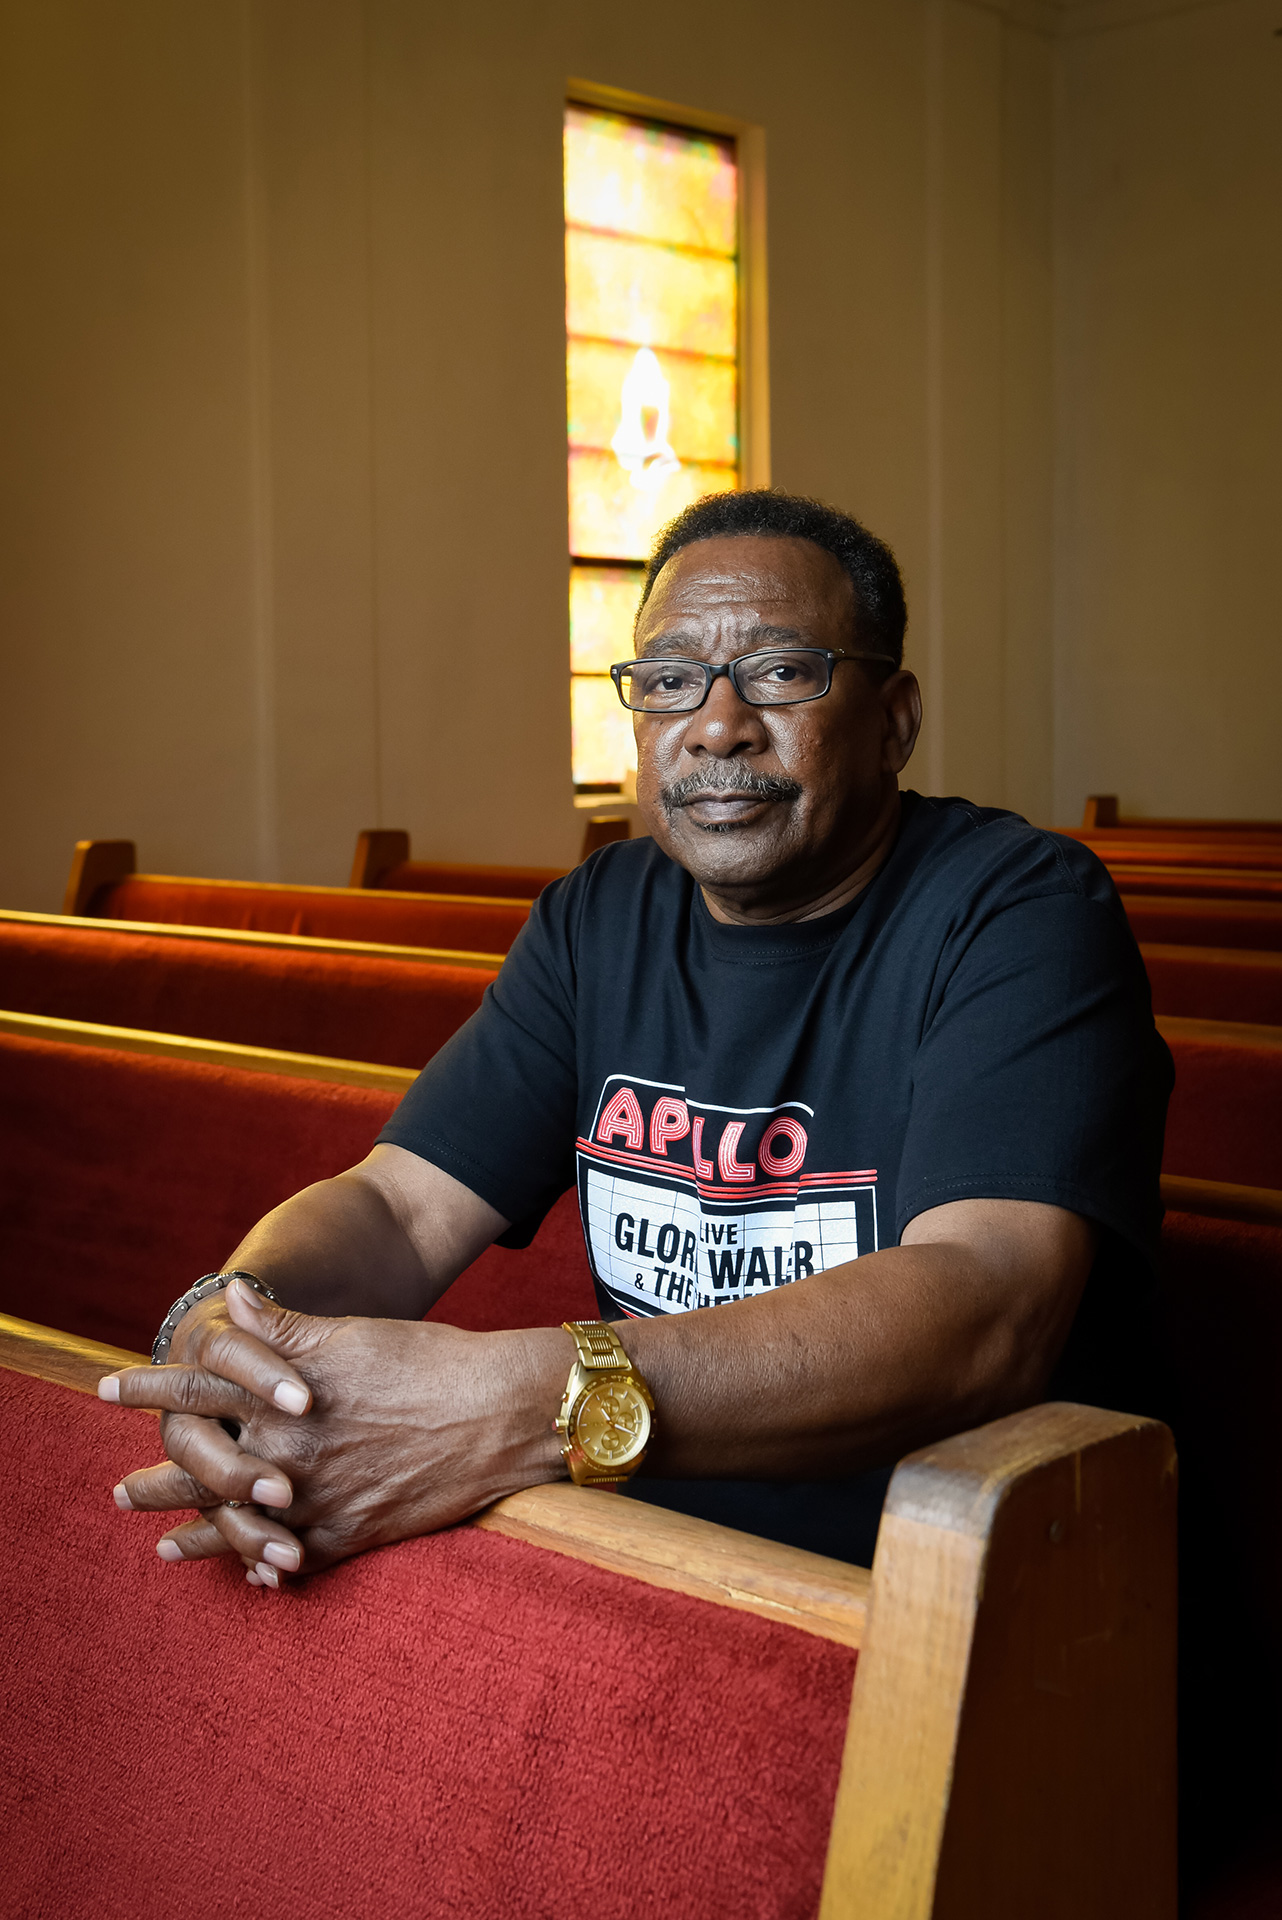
599 1345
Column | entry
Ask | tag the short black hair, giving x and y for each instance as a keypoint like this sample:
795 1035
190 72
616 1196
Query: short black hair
881 612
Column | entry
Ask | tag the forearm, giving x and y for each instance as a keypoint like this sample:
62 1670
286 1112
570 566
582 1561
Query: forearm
851 1368
337 1248
384 1239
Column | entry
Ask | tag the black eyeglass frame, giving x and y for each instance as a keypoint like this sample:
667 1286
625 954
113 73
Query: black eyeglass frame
728 670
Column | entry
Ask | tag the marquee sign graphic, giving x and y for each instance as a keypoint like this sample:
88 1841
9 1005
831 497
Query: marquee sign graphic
688 1204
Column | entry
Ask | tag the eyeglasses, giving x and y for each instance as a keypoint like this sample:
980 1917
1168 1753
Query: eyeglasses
776 677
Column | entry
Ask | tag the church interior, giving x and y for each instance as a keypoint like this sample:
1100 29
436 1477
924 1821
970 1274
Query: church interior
354 354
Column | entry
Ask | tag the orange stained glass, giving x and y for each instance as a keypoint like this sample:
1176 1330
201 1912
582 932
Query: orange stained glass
611 519
603 750
660 183
652 296
652 325
603 607
702 399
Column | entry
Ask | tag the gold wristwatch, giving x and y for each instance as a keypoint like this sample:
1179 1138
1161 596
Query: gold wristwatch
605 1420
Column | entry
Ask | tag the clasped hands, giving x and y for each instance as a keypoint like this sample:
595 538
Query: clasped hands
348 1433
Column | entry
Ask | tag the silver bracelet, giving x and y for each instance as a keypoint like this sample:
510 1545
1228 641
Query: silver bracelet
208 1284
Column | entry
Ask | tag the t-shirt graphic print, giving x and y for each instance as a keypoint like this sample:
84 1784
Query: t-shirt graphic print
689 1204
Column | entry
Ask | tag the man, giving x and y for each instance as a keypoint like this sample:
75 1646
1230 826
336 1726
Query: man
875 1074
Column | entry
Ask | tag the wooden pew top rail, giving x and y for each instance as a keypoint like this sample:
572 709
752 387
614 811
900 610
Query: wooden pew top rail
1009 1747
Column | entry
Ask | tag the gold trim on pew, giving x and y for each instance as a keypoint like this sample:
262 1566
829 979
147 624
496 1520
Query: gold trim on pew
209 1053
243 936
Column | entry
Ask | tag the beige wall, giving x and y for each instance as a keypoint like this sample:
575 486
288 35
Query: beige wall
283 377
1169 413
281 358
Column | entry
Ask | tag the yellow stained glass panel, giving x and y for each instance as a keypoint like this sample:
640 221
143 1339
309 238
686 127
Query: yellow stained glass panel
603 607
630 290
652 375
604 753
612 518
659 183
703 410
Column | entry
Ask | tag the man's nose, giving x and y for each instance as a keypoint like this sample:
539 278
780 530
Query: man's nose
724 724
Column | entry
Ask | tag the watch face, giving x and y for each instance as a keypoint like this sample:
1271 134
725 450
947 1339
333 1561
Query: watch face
612 1424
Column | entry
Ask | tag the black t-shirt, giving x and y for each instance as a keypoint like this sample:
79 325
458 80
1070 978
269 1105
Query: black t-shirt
742 1106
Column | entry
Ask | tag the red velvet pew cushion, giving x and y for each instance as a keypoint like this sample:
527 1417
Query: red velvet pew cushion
395 1012
330 913
1204 923
440 876
462 1725
1203 983
123 1177
1225 1116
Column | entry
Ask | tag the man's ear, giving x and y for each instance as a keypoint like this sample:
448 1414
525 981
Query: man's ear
901 706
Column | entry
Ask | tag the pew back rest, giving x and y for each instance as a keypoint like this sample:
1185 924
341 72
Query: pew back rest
1215 983
339 913
125 1175
431 1729
1172 919
295 995
1223 1121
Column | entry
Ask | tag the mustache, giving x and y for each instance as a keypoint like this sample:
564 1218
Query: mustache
740 783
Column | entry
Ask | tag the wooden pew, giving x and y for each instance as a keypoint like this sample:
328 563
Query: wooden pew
1009 1747
1223 1120
132 1162
392 1004
1222 1326
1215 983
1102 813
383 860
104 885
1195 883
1169 919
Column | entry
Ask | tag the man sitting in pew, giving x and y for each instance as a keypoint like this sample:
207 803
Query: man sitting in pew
875 1074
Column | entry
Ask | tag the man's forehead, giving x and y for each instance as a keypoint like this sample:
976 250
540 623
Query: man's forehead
749 580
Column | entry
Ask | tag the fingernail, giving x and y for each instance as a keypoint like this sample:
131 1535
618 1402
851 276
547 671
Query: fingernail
271 1493
291 1398
109 1389
268 1575
280 1555
169 1550
252 1577
249 1296
120 1495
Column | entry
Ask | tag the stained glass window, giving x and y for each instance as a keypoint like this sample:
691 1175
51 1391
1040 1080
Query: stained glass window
652 373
